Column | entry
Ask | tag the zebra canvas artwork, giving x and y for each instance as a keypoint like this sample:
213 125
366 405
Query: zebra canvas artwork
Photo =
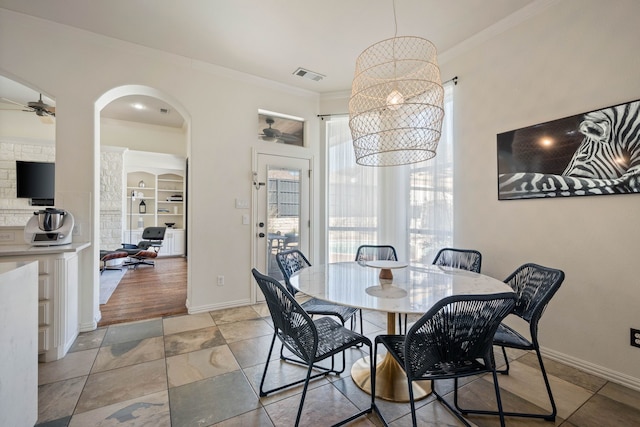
587 154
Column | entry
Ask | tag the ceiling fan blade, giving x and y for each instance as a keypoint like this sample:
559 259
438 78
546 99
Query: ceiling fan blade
46 119
289 138
17 103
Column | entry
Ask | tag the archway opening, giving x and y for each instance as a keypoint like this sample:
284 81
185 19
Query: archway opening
142 148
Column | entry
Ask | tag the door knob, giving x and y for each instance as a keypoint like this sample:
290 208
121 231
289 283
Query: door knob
261 235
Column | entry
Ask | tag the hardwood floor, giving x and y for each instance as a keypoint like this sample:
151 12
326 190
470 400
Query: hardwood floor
148 292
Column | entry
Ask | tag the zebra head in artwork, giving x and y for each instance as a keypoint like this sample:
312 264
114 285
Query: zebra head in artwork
606 162
611 144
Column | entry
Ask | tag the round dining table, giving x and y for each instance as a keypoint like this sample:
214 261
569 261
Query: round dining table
394 288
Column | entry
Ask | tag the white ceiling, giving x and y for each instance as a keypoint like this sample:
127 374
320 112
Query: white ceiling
272 38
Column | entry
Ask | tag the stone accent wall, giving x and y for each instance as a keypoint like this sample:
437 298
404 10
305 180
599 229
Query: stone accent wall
111 193
14 211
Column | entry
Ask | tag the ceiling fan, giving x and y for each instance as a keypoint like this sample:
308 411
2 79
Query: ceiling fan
45 111
275 135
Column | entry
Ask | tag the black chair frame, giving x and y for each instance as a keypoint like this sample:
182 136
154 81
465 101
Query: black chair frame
300 335
148 247
292 261
451 340
465 259
375 253
534 286
366 253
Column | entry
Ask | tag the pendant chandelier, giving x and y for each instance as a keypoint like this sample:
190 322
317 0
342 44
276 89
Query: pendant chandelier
396 105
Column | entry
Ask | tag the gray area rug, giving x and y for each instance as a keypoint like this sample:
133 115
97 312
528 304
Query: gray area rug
109 280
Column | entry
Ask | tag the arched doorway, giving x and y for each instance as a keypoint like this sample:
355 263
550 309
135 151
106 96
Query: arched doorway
137 129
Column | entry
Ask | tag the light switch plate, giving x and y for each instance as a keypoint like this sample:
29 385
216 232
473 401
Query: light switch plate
242 204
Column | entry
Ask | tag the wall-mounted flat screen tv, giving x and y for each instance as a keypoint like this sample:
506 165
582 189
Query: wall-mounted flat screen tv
35 180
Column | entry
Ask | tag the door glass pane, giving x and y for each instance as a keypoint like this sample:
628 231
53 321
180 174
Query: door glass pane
283 214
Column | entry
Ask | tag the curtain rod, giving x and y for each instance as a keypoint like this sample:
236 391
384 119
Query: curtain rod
453 80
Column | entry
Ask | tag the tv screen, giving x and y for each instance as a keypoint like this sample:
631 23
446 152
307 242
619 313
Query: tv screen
35 180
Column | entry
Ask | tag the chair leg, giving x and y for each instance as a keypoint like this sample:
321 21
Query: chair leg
504 371
353 325
373 407
372 366
266 366
547 417
498 399
554 411
324 371
414 421
304 394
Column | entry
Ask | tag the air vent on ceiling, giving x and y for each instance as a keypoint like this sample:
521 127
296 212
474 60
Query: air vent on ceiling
308 74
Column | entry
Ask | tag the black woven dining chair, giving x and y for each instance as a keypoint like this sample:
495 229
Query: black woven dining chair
310 340
451 340
534 286
366 253
465 259
376 253
292 261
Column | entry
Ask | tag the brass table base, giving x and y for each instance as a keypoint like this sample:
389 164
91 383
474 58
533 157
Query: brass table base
391 381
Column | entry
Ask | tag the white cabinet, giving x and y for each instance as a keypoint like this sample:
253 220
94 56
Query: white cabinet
18 329
58 321
155 196
173 244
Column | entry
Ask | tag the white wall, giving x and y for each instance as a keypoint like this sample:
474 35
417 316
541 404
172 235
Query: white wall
116 136
222 133
572 57
143 137
576 56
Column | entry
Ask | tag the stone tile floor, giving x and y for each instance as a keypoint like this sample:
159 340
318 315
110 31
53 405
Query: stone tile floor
205 370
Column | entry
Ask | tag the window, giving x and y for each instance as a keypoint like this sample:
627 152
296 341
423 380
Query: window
409 207
284 198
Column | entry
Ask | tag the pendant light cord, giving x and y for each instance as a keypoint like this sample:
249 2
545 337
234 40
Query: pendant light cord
395 20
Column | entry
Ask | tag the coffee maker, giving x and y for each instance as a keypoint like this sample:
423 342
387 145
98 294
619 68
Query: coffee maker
49 227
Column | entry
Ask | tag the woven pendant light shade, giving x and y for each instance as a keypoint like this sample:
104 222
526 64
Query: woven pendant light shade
396 105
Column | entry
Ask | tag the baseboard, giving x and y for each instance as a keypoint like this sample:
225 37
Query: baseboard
214 307
591 368
88 327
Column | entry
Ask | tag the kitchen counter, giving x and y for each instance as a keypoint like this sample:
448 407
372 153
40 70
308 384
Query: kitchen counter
25 249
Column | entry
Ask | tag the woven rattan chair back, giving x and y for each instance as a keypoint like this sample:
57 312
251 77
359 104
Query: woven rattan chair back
294 326
290 262
376 253
465 259
451 340
453 334
534 286
310 341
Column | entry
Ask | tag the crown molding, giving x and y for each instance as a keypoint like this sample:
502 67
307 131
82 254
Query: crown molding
511 21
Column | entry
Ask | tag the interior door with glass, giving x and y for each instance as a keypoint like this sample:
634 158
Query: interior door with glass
283 214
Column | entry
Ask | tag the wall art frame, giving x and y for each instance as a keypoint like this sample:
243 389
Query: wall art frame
593 153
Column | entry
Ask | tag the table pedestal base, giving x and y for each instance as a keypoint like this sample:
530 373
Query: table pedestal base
391 381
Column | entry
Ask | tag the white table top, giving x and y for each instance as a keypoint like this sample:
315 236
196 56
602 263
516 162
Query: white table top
412 290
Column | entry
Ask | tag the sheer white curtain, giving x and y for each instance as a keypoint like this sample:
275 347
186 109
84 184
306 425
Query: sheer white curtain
409 207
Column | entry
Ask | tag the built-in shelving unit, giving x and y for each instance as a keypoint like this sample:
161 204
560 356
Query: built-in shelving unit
157 182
